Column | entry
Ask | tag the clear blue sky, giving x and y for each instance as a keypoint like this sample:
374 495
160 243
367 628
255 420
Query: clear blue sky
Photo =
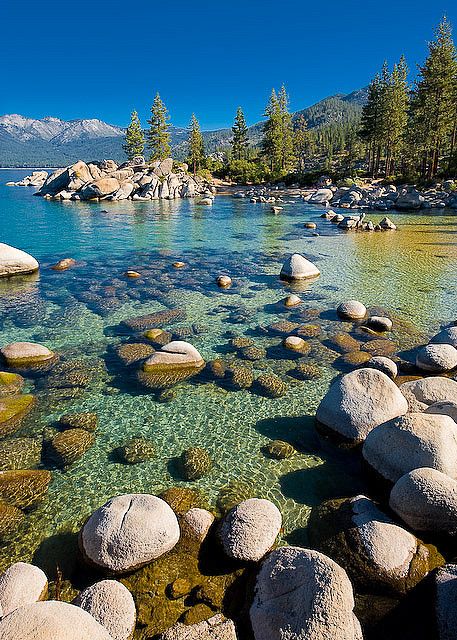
100 59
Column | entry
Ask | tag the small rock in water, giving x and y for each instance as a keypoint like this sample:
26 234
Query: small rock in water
178 264
195 463
379 323
297 267
64 264
137 450
292 301
280 450
310 225
224 281
352 310
132 274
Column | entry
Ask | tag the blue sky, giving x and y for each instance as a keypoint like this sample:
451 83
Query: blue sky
100 59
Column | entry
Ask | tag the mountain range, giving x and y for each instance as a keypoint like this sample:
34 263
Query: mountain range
50 142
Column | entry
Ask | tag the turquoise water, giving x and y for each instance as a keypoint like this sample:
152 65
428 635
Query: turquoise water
410 274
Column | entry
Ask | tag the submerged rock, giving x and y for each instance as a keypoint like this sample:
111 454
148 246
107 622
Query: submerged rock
19 453
297 267
24 488
352 310
51 620
25 354
10 383
86 420
21 584
70 445
215 628
11 518
305 371
158 319
300 593
238 377
137 450
134 352
112 605
280 450
15 262
175 362
250 529
181 499
359 401
271 386
128 532
195 463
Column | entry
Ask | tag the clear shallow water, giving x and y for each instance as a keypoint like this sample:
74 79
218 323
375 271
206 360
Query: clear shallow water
411 274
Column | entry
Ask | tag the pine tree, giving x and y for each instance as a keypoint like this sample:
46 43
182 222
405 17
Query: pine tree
286 140
271 142
196 147
433 108
393 112
240 136
134 138
158 135
302 141
371 123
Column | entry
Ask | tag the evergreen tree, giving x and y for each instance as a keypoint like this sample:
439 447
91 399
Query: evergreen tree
271 142
302 140
394 105
433 105
196 147
134 138
287 145
240 136
158 135
371 123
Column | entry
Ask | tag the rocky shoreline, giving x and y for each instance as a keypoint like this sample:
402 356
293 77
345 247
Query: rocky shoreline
367 554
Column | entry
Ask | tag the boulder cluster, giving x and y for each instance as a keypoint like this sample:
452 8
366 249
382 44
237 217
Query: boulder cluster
106 180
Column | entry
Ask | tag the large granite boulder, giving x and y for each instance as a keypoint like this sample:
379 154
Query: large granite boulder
447 336
51 620
99 189
21 584
321 196
215 628
426 500
24 354
296 267
444 409
379 556
128 532
357 402
112 605
303 594
420 394
409 199
15 262
250 529
437 358
412 441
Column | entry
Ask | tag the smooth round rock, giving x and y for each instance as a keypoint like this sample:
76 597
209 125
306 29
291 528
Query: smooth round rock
250 529
174 354
426 500
379 323
351 310
128 532
224 281
437 358
422 393
412 441
112 605
447 336
215 628
51 620
64 264
359 401
21 584
292 301
196 523
294 343
444 408
386 365
23 353
301 593
297 267
15 262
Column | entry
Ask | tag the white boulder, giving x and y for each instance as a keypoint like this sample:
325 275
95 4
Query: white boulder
215 628
437 358
420 394
352 310
297 267
15 262
21 584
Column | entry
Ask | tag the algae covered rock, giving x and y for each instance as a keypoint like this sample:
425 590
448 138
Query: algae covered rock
112 605
137 450
19 453
233 493
301 593
10 383
343 342
280 450
158 319
68 446
128 532
250 529
271 386
238 377
25 354
305 371
176 361
21 584
195 463
86 420
24 488
11 519
181 499
253 353
133 352
357 402
12 410
379 555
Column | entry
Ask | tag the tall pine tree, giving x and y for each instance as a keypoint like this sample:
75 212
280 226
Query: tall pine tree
240 136
371 124
271 142
196 147
287 146
134 138
433 105
302 140
158 135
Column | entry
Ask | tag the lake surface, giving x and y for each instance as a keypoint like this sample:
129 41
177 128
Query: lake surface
410 274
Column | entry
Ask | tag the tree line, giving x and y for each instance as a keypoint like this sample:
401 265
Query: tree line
404 129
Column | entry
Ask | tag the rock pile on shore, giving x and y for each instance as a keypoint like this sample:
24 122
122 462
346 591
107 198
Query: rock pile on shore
106 180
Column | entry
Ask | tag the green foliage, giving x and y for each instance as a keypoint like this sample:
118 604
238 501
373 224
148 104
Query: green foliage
196 148
277 143
245 171
158 135
134 138
240 136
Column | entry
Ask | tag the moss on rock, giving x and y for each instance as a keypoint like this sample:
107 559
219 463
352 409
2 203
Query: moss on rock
137 450
83 420
181 499
271 386
12 411
195 463
19 453
68 446
11 519
10 383
280 450
24 488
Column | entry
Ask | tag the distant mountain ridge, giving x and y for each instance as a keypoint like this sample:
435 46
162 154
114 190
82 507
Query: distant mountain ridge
50 141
